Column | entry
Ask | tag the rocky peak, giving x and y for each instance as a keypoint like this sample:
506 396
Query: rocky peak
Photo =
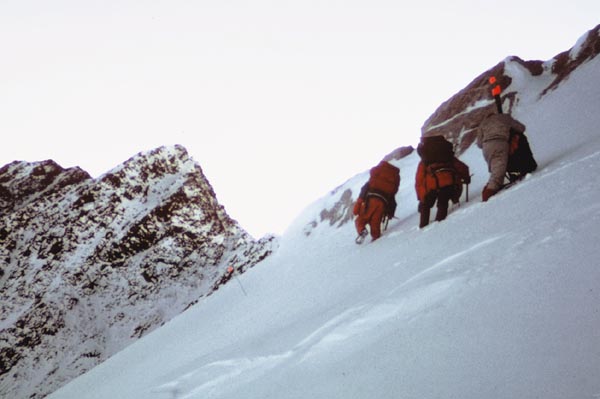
89 265
458 118
31 180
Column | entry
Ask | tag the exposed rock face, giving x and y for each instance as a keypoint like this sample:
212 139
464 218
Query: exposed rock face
458 118
87 266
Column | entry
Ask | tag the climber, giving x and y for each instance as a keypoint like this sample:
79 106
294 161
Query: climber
440 176
376 201
505 149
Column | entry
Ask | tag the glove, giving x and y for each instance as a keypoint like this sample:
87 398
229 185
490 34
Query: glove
467 179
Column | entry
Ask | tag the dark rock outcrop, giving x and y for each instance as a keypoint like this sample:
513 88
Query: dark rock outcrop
458 118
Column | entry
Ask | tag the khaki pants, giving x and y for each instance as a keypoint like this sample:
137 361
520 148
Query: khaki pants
495 153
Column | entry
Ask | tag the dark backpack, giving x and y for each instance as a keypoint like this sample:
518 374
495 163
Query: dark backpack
520 158
435 149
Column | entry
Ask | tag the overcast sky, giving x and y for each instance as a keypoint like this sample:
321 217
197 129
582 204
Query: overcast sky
279 101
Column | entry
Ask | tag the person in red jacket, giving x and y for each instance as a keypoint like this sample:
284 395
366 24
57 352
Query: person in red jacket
441 182
369 211
376 200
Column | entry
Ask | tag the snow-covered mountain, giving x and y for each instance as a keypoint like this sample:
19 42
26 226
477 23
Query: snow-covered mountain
88 266
522 82
500 300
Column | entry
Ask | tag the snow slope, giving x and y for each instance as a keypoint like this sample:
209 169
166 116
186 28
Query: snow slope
501 300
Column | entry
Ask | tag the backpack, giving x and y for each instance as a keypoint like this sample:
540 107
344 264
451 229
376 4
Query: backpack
384 181
520 157
435 149
384 178
440 175
437 155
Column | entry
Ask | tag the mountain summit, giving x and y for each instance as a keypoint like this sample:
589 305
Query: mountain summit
90 265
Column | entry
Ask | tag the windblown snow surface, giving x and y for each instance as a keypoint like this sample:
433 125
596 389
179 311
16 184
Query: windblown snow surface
500 300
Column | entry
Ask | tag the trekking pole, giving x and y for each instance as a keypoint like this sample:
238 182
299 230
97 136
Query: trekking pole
241 286
471 175
230 270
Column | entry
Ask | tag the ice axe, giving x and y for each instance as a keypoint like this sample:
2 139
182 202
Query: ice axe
496 90
467 191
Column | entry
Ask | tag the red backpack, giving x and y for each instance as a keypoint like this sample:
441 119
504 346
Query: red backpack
438 166
383 183
385 178
439 175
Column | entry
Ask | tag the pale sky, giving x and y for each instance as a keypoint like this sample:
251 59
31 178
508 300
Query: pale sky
279 101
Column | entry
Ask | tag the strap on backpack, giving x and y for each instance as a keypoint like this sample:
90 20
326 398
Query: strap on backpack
368 194
388 206
377 195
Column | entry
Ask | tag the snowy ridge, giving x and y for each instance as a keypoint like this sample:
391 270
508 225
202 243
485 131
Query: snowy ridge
523 83
500 300
89 266
526 81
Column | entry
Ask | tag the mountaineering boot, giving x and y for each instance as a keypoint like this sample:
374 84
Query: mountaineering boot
361 237
487 193
514 177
